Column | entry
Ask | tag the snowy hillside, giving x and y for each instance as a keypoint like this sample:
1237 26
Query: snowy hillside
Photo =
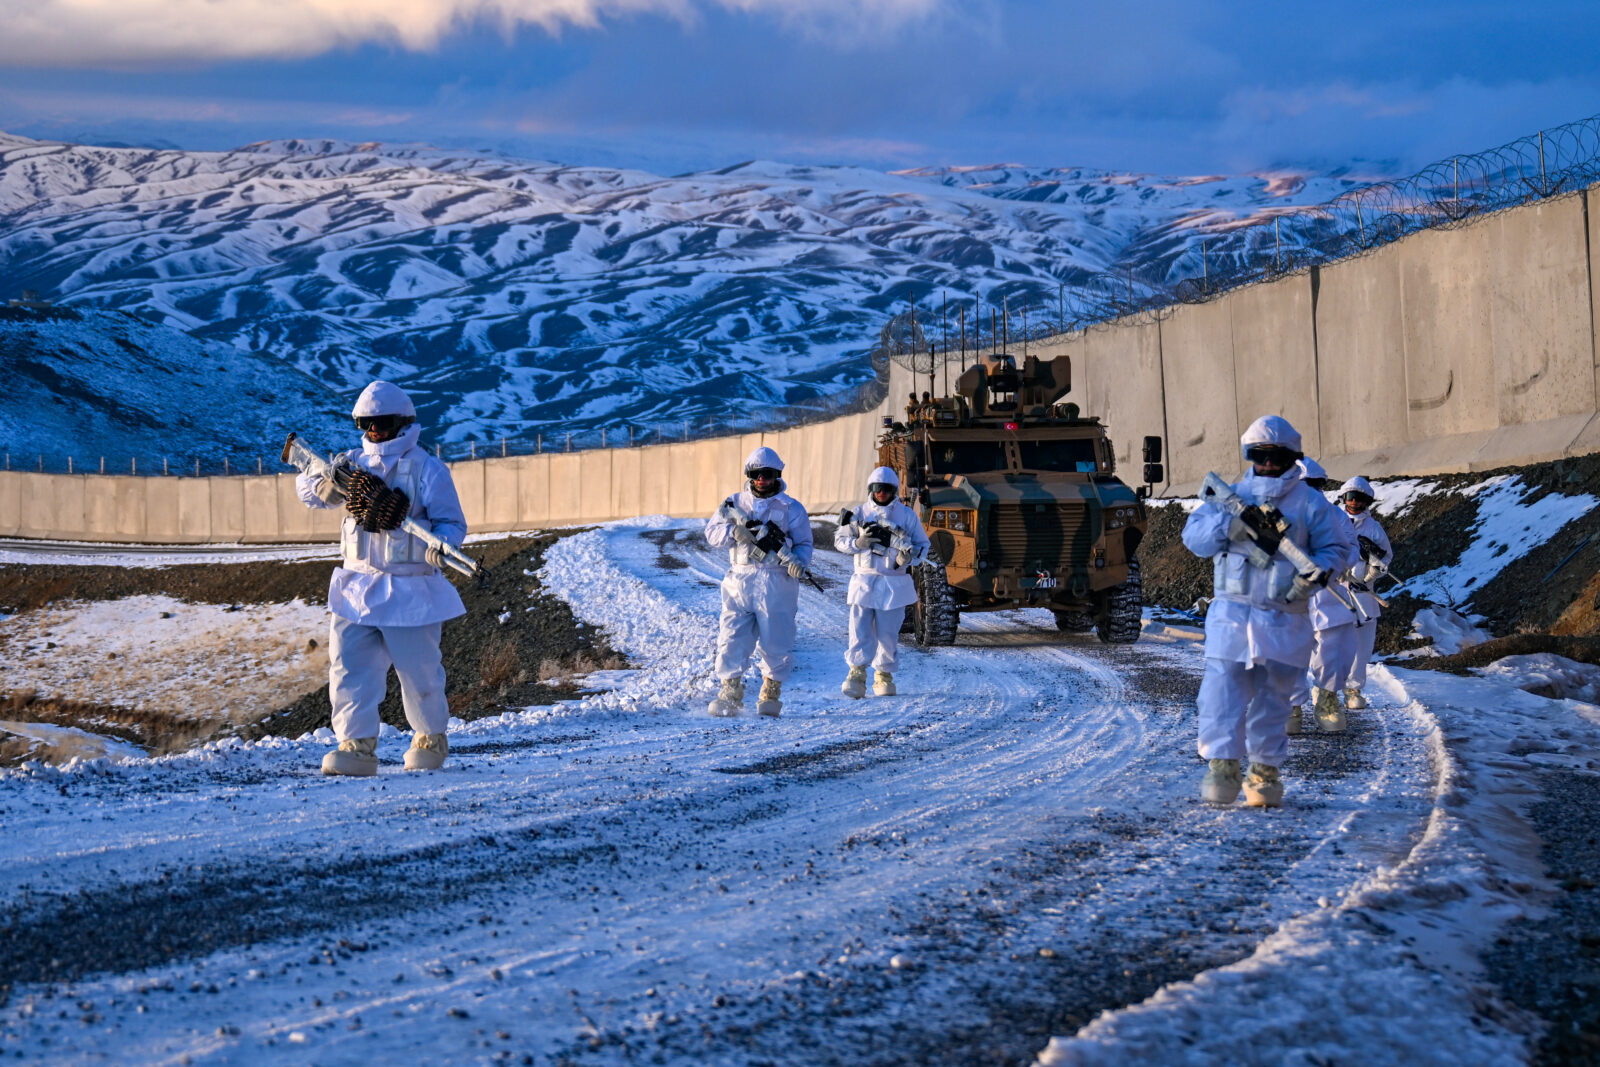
95 384
514 297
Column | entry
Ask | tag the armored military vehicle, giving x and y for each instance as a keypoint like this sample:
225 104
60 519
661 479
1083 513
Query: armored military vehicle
1020 498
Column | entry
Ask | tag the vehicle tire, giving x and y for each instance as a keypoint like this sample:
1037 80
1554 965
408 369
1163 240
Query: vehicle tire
1074 622
934 617
1122 615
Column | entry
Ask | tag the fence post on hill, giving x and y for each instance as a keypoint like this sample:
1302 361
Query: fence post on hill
102 464
225 465
197 466
538 443
502 446
472 449
164 470
69 464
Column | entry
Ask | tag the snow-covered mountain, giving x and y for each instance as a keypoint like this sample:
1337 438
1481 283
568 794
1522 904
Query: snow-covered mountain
94 384
514 297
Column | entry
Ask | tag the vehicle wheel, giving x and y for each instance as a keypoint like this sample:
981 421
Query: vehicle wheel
1074 622
1122 615
934 618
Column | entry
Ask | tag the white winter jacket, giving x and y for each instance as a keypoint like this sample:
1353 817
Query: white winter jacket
877 583
780 509
1249 620
1326 610
384 579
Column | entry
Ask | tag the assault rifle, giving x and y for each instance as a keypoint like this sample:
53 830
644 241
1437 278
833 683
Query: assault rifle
742 533
339 472
1267 535
886 537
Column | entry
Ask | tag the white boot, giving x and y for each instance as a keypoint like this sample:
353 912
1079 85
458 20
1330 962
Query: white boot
768 703
855 683
1353 699
882 684
1263 787
427 751
1294 720
356 756
1330 716
729 699
1221 783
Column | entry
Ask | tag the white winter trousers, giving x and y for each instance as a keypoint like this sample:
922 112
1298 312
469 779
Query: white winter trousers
1244 710
874 638
358 672
758 606
1339 660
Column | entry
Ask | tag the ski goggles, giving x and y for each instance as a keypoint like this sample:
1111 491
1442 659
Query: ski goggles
382 423
879 488
1271 455
1359 501
763 474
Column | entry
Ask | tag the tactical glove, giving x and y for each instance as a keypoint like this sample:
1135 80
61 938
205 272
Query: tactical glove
434 556
326 491
1306 584
796 569
1369 548
880 533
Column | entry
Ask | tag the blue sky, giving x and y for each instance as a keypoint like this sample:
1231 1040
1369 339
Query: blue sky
1187 87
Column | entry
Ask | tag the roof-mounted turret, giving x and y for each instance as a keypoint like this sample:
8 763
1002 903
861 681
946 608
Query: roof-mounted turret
997 389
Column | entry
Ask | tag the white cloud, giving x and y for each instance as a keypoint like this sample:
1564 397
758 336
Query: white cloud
129 32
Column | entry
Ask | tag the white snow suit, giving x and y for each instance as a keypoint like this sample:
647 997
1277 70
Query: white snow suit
387 601
1343 647
879 591
1258 644
759 598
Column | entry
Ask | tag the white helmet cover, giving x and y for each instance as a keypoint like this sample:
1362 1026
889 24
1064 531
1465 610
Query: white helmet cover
1310 468
763 457
384 398
1358 484
1270 430
885 476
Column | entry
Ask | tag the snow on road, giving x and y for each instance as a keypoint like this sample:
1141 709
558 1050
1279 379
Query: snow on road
1008 848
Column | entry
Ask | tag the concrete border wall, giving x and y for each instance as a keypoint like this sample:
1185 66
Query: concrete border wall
1454 349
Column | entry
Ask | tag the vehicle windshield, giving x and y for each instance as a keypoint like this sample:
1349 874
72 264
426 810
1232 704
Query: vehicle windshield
1074 457
966 457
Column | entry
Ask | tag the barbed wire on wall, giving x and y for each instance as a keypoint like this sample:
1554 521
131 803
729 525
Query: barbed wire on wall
1278 242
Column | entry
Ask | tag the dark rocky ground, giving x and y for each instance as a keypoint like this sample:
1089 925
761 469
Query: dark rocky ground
1551 966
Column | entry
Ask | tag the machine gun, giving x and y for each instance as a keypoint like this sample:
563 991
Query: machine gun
341 474
886 538
1268 536
742 533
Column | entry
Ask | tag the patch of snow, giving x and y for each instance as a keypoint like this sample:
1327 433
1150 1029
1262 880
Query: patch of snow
1450 631
194 662
1548 675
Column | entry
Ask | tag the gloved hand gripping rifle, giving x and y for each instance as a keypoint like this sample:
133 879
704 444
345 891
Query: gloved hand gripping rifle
745 531
1264 533
342 476
1377 565
886 538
